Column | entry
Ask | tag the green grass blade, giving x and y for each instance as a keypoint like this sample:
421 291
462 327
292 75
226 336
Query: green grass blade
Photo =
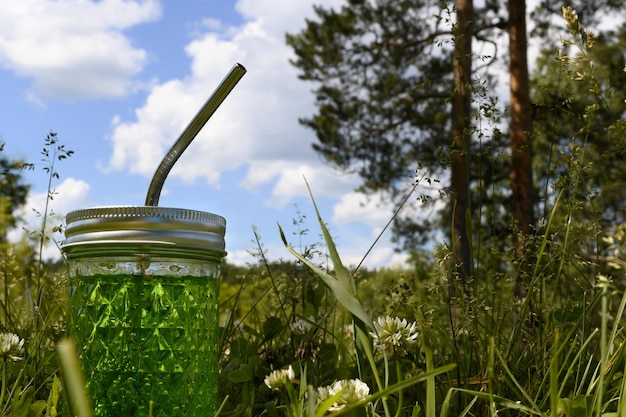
501 401
554 375
430 383
445 406
73 379
342 273
512 377
406 383
339 288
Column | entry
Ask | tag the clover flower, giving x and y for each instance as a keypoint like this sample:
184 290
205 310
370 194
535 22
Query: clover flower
305 335
279 378
11 346
352 391
301 327
394 335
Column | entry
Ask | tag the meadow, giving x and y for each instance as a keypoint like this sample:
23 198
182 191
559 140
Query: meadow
311 336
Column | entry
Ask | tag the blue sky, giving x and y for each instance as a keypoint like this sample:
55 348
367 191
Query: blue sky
118 80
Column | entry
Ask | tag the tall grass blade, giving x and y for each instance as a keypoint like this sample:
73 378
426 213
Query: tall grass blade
406 383
498 400
512 377
430 383
339 287
342 273
554 375
73 379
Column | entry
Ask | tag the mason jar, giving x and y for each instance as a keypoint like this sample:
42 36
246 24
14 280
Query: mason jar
143 307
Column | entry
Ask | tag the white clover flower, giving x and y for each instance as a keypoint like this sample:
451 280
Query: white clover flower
324 393
394 335
352 391
279 378
302 327
11 346
306 337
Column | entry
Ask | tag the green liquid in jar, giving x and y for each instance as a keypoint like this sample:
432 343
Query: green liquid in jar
147 338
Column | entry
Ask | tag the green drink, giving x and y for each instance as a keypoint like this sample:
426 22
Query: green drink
144 307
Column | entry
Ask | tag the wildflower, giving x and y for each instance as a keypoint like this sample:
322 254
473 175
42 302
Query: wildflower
301 327
308 341
324 393
11 346
279 378
394 335
350 391
308 348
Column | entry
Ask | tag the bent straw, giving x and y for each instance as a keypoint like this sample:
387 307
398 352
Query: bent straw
190 132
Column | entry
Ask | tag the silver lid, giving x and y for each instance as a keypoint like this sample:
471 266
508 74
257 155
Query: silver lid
144 225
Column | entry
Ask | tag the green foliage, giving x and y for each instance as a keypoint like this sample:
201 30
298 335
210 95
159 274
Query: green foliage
13 192
32 304
313 337
381 84
580 136
556 351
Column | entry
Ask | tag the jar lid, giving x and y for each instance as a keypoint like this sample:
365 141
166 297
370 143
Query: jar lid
144 225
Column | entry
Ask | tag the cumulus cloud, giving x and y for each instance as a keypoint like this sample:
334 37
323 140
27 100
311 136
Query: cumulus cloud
257 125
290 177
74 49
371 210
281 16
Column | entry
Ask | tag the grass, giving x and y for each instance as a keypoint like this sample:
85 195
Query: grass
314 337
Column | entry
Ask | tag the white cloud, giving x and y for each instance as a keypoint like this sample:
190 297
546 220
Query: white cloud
290 178
383 256
371 210
281 15
257 125
74 48
241 258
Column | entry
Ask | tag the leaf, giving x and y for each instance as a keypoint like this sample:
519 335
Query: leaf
342 293
342 286
23 404
577 406
53 398
36 409
270 408
272 327
243 374
342 274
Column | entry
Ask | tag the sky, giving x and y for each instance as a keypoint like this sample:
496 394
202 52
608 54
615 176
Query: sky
118 80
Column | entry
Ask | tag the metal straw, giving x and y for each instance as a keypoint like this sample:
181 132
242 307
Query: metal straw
190 132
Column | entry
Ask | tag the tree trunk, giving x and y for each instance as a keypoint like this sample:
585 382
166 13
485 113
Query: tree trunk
521 175
461 113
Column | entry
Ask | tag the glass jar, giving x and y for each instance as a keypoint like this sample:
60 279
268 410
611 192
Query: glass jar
143 307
